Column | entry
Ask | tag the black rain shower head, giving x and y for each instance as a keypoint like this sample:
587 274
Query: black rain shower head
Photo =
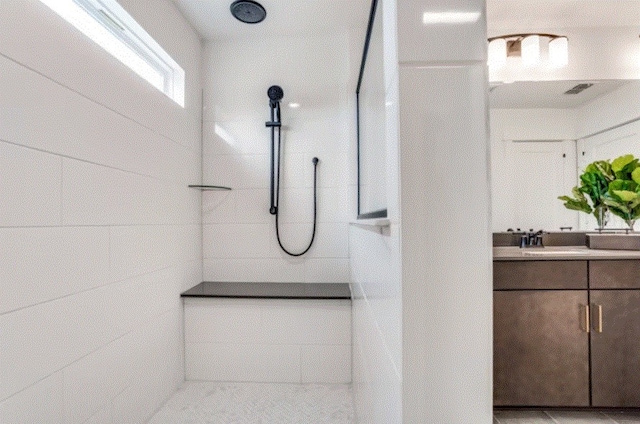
248 11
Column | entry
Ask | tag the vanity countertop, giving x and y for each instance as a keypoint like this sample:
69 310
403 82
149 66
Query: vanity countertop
557 253
270 290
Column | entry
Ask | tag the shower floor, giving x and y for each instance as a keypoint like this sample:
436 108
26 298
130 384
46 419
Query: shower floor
208 402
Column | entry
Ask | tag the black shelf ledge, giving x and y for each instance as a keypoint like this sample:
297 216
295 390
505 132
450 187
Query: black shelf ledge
217 289
210 187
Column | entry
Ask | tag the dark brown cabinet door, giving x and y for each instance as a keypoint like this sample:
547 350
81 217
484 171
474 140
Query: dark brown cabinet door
541 348
615 348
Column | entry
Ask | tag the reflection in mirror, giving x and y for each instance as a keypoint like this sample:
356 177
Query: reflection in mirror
541 138
372 202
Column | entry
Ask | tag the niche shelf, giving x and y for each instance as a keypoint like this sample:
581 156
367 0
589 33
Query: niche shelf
210 187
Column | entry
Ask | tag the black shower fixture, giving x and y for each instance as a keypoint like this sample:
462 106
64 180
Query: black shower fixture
275 94
248 11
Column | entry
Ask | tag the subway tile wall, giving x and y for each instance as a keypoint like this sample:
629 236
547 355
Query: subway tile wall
239 242
98 231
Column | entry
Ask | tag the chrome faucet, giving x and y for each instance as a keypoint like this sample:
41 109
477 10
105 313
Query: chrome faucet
532 239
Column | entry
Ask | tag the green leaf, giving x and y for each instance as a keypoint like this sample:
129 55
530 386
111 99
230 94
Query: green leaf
635 175
619 163
601 167
626 196
576 205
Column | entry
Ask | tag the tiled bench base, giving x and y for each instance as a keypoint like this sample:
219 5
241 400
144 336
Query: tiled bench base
268 340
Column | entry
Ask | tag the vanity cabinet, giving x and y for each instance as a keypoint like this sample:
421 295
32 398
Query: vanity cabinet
541 344
541 352
550 349
615 335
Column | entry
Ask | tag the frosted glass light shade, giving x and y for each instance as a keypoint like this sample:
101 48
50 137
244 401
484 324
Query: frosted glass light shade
530 50
497 53
559 52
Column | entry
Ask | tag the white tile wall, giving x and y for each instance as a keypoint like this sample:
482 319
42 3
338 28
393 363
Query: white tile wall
404 345
268 340
41 403
69 260
99 231
239 242
32 181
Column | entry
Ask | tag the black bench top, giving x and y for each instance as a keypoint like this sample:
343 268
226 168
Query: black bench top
270 290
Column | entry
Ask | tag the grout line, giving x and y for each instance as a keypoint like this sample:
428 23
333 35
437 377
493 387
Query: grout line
102 286
9 227
64 156
94 101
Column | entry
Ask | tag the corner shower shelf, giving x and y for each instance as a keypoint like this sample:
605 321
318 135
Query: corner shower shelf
210 187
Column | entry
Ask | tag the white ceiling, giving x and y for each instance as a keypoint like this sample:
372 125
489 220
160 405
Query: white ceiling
213 20
547 94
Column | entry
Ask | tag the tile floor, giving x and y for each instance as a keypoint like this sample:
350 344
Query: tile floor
255 403
566 417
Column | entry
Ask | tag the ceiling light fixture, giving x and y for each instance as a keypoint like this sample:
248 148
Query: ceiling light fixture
527 46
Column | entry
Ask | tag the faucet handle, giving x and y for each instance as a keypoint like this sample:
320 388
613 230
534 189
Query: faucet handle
524 241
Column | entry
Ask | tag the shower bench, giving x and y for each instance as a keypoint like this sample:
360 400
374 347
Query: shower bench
268 332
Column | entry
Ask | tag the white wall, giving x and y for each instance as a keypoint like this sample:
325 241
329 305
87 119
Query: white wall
612 109
375 257
99 232
239 241
528 176
422 287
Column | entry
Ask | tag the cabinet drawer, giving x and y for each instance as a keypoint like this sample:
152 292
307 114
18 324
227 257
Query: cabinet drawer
620 274
517 275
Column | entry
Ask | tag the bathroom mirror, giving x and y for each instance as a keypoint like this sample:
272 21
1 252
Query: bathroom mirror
370 95
534 154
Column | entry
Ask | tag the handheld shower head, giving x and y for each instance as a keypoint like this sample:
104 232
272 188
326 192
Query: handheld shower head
275 94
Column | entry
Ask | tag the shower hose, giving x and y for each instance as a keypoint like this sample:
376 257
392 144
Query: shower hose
315 197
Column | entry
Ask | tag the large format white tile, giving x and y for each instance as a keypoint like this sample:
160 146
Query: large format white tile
97 195
30 184
326 364
42 339
101 375
219 206
41 264
326 270
140 249
236 241
260 270
456 20
242 362
71 125
40 403
59 52
101 417
307 322
238 171
222 321
456 277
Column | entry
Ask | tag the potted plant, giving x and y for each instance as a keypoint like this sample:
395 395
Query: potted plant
589 196
623 196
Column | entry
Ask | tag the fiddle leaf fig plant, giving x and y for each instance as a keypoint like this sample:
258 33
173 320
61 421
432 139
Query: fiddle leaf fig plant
588 197
623 196
608 186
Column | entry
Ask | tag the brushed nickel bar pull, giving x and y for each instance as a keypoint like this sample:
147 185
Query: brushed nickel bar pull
599 329
587 319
